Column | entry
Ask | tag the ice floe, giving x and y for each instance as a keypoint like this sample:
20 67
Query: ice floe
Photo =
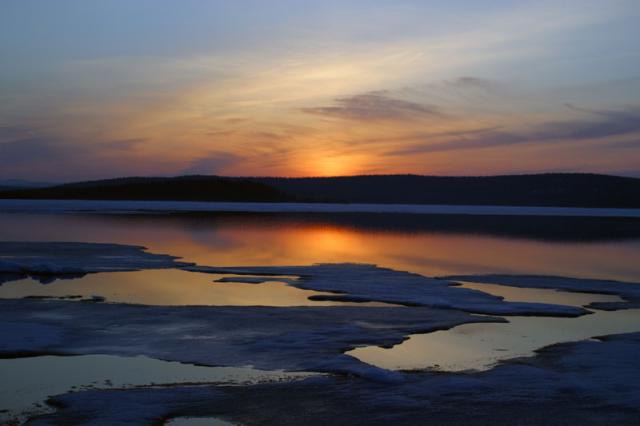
365 283
294 339
586 383
47 261
630 292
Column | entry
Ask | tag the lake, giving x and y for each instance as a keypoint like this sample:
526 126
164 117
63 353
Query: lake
427 244
587 247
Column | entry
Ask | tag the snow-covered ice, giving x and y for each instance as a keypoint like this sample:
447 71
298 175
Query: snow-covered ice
47 261
132 207
365 283
585 383
294 339
630 292
27 382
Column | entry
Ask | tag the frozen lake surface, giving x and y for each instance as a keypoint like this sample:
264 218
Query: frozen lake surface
481 346
117 206
232 289
27 382
170 287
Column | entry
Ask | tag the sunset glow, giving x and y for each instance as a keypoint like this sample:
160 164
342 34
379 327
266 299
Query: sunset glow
328 88
252 212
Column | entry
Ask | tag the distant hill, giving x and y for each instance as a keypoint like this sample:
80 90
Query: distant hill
556 189
184 188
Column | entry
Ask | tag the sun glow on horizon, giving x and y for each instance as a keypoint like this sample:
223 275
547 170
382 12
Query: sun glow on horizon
324 92
334 166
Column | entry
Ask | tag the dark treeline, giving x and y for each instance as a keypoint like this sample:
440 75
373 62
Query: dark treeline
569 190
586 190
185 188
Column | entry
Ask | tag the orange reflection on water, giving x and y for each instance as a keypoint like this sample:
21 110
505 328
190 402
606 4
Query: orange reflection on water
427 253
249 240
171 287
480 346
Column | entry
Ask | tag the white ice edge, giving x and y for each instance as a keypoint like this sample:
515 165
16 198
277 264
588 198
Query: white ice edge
113 206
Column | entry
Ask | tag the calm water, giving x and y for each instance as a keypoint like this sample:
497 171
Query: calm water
27 382
482 346
197 421
431 245
170 287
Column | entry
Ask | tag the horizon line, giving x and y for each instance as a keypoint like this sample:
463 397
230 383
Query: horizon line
316 176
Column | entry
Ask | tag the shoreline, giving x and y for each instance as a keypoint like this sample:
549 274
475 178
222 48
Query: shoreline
129 207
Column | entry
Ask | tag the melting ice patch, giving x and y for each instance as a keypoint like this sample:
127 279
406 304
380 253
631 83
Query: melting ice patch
47 261
27 382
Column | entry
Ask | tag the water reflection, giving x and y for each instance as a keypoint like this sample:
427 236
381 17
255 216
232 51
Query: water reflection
481 346
197 421
515 294
27 382
431 245
170 287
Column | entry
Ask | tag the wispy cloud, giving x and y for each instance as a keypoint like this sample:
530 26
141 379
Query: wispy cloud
27 150
375 106
43 147
603 124
12 133
213 163
122 145
298 89
474 83
52 157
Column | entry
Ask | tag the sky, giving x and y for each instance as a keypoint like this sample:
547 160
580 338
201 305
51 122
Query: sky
93 89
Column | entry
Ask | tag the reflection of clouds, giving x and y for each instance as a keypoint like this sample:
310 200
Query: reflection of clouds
209 234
